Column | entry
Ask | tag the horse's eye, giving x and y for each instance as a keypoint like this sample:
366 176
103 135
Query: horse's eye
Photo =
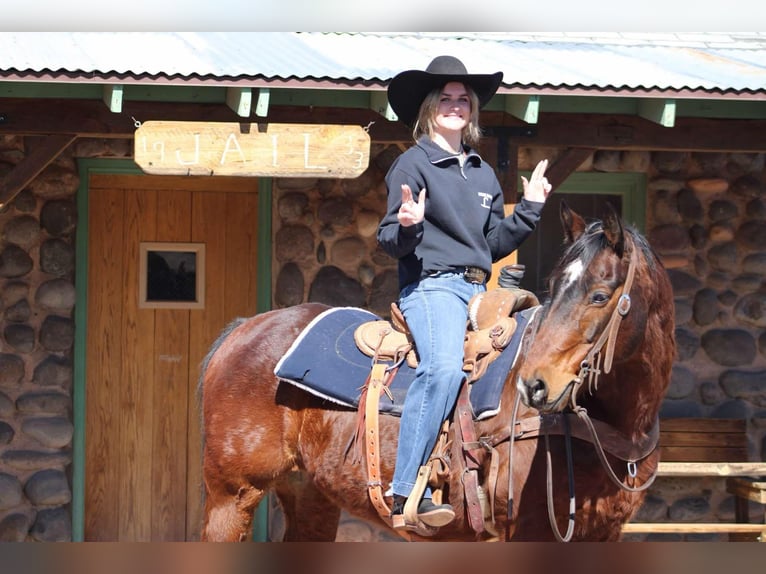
599 298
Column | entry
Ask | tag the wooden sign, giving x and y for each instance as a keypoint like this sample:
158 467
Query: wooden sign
273 150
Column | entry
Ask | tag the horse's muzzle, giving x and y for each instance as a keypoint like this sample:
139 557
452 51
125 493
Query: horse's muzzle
534 393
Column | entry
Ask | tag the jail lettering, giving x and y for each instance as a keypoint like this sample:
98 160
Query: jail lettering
251 150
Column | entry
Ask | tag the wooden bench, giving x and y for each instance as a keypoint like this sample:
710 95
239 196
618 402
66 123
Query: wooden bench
696 447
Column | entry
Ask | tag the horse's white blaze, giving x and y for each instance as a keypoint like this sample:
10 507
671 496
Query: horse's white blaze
573 272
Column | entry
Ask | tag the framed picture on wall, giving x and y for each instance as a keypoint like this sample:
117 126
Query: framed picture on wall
172 275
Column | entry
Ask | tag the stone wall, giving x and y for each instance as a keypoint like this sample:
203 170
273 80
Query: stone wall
706 217
37 298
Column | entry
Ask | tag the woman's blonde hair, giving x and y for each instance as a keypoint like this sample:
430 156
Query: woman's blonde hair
425 122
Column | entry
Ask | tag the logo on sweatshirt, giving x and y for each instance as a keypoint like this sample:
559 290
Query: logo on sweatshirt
486 199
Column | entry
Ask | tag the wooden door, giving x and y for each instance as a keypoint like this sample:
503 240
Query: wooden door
143 446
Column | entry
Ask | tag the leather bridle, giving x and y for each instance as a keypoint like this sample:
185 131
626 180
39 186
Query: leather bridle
590 369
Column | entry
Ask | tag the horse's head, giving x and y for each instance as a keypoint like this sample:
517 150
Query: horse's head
601 293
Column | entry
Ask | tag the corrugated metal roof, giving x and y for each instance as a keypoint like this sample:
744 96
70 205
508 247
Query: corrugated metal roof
705 62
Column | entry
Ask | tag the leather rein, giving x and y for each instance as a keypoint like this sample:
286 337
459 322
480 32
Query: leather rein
578 423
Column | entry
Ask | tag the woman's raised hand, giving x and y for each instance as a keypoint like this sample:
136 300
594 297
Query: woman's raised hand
411 212
537 188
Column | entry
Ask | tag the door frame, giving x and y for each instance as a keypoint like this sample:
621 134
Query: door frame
86 168
631 186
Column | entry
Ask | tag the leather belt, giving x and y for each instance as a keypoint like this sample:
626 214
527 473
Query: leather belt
470 274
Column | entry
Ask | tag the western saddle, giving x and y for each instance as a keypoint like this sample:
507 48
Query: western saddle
489 329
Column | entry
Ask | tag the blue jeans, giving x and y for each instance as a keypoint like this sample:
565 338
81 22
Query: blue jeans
436 310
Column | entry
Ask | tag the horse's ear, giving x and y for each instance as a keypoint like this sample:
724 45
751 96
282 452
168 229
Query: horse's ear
573 224
613 230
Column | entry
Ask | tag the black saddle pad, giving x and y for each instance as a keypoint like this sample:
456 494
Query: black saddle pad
325 361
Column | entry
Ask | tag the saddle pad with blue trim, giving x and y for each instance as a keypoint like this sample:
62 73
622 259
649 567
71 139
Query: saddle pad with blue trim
325 361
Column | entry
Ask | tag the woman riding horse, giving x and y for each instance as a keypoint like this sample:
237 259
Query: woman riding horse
445 242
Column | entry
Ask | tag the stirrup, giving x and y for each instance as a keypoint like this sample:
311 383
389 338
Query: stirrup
410 517
420 528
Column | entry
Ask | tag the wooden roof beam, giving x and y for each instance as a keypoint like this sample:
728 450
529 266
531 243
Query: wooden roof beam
112 96
661 112
379 104
30 167
566 164
240 101
524 107
262 105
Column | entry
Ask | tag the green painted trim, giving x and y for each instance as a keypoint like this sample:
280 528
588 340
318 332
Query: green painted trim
320 98
86 167
185 94
78 389
691 108
263 303
659 111
630 186
51 90
361 98
262 103
135 92
526 108
113 98
724 109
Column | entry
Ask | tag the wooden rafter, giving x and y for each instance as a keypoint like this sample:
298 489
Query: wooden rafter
31 166
112 97
566 164
526 108
662 112
262 104
379 104
88 118
240 101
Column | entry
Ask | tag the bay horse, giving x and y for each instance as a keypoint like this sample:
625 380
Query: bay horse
601 348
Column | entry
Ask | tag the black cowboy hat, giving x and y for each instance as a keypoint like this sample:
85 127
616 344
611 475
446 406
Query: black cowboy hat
408 89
